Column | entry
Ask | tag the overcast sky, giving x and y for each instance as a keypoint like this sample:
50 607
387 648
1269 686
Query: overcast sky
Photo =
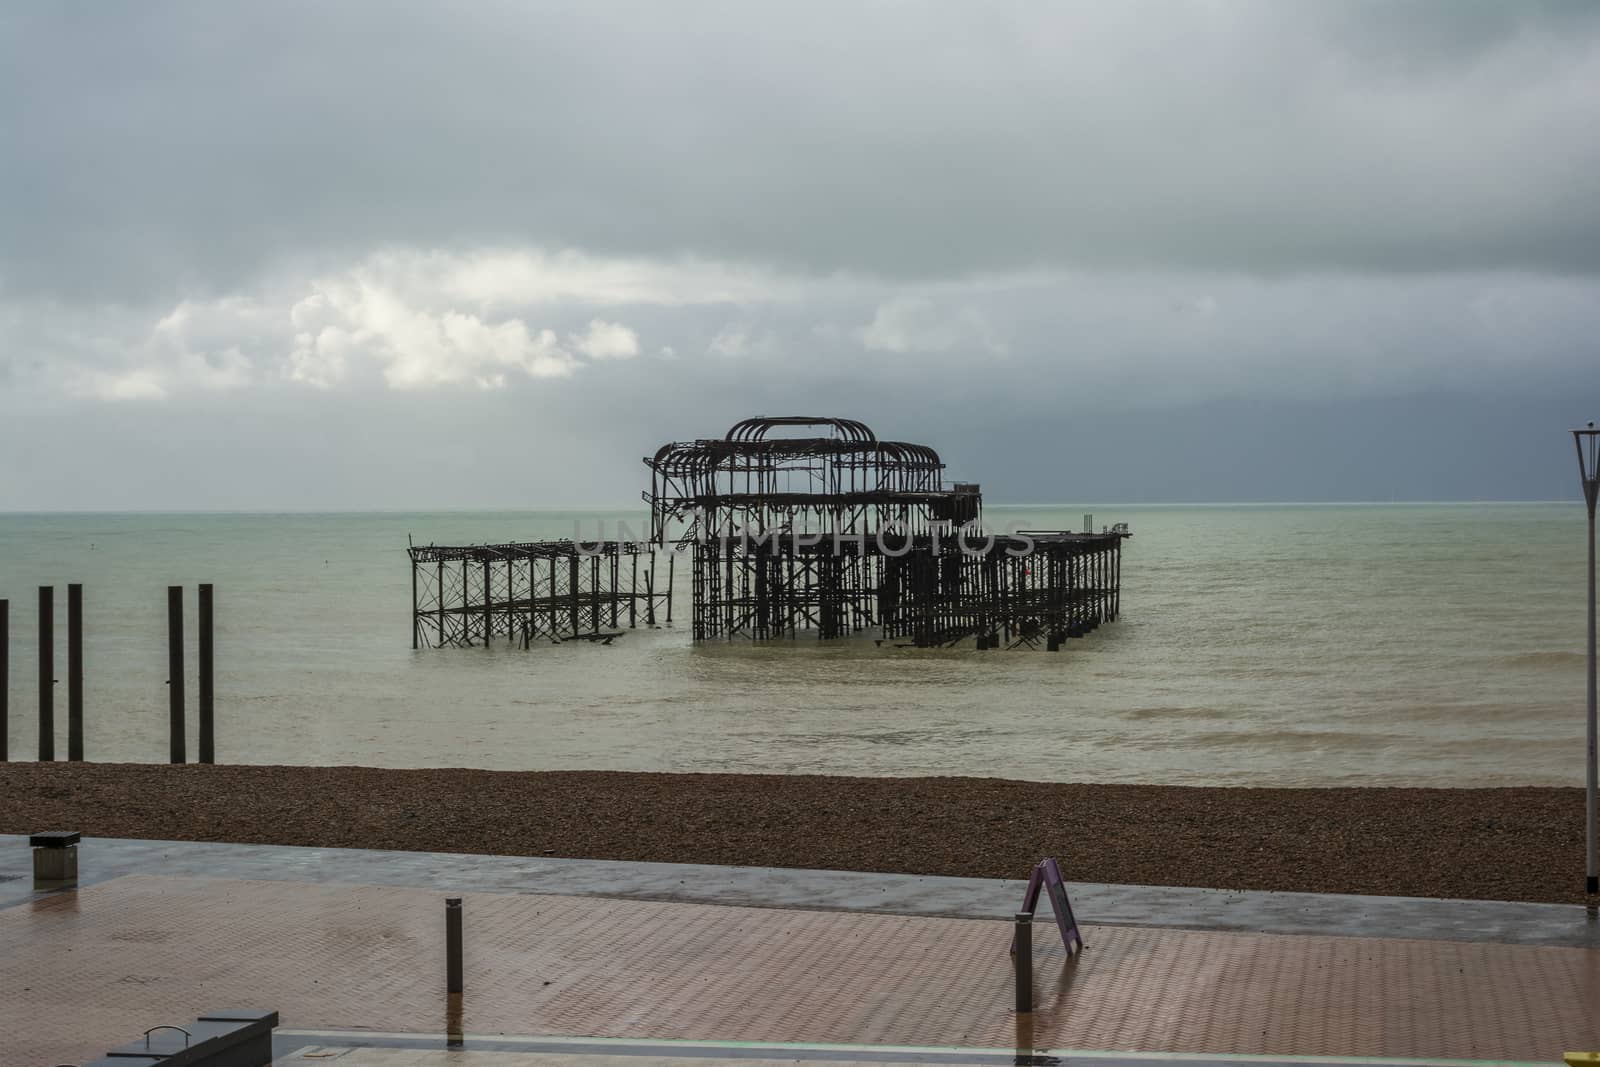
396 255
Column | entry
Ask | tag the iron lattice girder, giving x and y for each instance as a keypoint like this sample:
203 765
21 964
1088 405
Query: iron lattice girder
1023 589
821 503
560 590
688 459
523 550
748 478
894 544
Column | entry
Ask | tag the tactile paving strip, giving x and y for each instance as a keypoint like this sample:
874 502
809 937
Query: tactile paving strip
80 972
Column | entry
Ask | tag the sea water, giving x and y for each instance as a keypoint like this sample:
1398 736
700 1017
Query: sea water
1437 644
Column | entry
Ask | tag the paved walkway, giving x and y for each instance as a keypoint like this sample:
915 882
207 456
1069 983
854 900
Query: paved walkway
354 942
300 1048
895 894
102 963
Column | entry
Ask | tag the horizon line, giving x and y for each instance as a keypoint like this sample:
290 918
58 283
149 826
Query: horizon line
570 508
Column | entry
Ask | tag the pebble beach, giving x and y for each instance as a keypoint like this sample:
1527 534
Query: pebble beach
1515 844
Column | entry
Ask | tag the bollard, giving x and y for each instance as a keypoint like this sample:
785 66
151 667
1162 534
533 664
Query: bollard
1024 962
208 752
452 944
175 672
55 858
454 1031
75 672
5 677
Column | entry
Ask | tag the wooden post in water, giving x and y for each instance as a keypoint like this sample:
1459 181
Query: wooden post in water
208 751
175 672
75 671
5 677
47 672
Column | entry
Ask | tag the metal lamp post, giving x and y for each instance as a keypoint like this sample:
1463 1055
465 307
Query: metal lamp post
1588 442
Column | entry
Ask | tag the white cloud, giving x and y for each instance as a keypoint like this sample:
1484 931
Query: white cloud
739 342
419 348
322 343
917 324
386 321
606 340
140 384
517 278
392 316
196 346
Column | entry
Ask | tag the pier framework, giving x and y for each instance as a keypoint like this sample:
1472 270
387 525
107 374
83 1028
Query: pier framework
797 525
529 591
802 524
1023 590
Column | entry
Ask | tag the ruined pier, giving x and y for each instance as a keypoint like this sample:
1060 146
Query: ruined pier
796 526
815 525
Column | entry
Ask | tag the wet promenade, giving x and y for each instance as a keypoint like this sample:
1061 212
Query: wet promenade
349 948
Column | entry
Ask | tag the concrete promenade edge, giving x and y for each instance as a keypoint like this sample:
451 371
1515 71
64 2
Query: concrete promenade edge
1330 914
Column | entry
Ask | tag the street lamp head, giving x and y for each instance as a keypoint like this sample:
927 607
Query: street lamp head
1588 442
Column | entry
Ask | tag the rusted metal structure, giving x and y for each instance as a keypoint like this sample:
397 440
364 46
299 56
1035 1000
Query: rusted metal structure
538 590
802 524
797 525
1018 591
843 480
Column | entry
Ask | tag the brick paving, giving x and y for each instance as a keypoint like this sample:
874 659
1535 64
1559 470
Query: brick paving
85 970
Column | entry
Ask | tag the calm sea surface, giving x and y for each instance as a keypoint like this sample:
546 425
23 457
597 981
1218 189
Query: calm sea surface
1259 645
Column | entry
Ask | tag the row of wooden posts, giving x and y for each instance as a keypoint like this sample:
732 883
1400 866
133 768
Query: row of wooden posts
48 680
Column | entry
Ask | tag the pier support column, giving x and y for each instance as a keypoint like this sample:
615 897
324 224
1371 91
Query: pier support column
47 673
207 680
5 677
75 672
175 724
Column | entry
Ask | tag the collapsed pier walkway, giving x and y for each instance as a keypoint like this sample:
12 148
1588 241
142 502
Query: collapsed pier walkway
531 591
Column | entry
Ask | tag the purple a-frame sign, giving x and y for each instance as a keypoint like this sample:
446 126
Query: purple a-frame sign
1047 875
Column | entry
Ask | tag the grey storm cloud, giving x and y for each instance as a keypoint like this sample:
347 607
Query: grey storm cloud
291 240
193 144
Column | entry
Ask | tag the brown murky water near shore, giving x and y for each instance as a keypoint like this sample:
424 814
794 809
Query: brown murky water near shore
1260 645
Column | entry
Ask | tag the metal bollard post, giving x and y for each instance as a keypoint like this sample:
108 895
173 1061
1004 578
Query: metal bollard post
452 944
1024 962
454 1031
